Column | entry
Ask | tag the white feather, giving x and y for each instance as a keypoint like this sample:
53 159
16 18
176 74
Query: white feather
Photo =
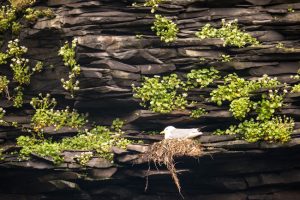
175 133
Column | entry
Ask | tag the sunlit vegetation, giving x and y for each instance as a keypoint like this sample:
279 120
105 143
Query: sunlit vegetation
68 54
165 28
168 93
162 94
20 4
99 140
7 17
277 129
200 78
150 3
14 57
240 93
229 32
197 113
33 15
46 115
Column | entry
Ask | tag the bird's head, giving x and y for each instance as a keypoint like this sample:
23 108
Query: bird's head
167 131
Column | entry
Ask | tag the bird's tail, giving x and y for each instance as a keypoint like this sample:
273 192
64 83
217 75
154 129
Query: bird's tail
195 133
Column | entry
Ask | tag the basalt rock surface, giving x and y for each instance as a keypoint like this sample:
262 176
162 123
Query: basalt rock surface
112 59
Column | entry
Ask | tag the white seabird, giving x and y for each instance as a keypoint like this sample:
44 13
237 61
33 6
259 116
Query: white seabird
178 133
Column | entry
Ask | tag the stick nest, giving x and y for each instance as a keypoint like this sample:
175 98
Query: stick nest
164 152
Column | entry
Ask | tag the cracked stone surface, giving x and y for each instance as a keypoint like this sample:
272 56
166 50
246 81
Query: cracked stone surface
112 59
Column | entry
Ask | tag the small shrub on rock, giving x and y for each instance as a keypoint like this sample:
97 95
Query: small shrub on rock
229 32
165 28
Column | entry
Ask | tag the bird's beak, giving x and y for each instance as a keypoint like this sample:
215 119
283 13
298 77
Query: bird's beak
163 132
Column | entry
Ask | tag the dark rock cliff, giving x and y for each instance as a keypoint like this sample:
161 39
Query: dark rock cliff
113 58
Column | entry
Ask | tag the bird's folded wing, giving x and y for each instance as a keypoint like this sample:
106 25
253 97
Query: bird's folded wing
185 133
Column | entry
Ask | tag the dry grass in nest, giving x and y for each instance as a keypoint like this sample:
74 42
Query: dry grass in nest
164 152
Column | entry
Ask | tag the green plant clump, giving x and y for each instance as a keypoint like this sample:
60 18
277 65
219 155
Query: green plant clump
7 17
265 127
20 4
235 87
34 14
18 64
18 98
84 158
240 107
165 28
100 139
267 106
290 10
162 95
229 32
117 125
198 113
202 77
46 116
154 4
277 129
3 84
150 3
296 88
226 58
22 72
169 93
67 52
45 148
16 28
10 15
